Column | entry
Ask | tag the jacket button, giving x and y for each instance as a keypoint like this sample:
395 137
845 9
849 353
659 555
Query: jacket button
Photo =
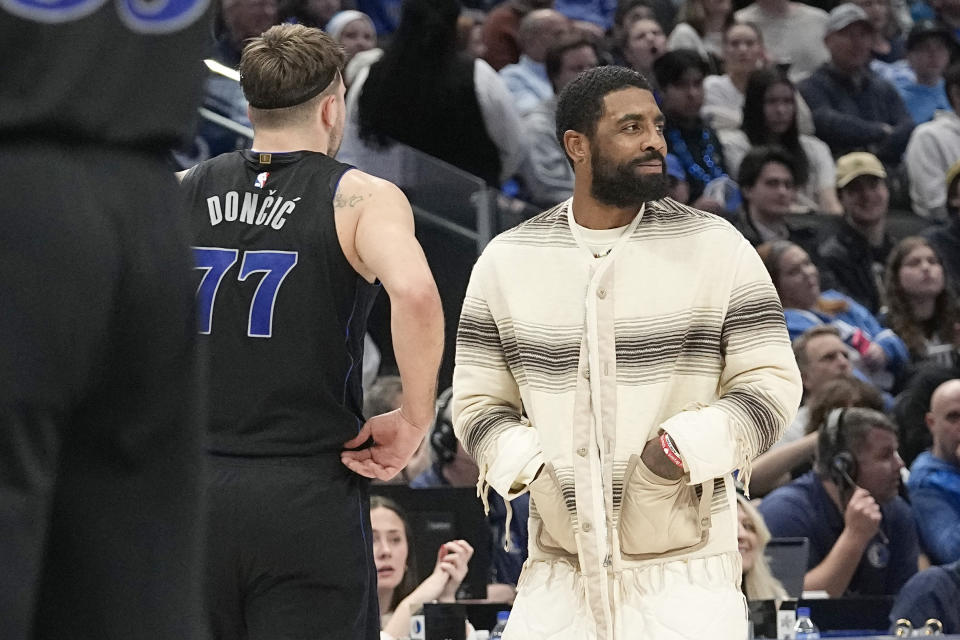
601 293
587 527
582 452
586 373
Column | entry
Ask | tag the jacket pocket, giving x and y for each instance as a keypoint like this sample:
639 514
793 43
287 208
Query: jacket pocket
661 517
556 526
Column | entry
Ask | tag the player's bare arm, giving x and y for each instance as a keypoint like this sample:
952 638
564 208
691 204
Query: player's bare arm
376 231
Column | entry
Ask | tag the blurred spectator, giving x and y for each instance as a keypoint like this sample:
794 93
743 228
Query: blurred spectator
742 50
919 78
527 79
680 77
383 396
547 174
879 353
791 458
752 538
470 33
862 536
400 595
629 11
935 478
853 108
452 466
912 405
501 30
353 30
644 42
592 17
888 42
441 102
934 146
856 255
701 28
677 186
236 21
921 309
793 33
384 13
768 177
932 593
312 13
770 117
946 238
947 12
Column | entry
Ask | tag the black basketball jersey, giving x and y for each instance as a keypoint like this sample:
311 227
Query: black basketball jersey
112 72
281 311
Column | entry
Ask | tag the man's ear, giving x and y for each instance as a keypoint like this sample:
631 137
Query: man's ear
929 419
328 111
577 146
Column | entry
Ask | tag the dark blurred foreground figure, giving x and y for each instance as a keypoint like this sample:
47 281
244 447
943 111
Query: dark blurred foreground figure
100 455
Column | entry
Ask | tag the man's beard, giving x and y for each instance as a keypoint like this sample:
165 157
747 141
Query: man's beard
620 185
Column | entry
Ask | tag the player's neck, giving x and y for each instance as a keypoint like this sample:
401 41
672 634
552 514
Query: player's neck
280 140
590 213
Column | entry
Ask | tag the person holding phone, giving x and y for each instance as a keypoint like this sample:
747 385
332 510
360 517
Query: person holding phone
863 540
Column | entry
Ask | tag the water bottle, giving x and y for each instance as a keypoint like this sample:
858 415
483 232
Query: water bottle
501 625
804 629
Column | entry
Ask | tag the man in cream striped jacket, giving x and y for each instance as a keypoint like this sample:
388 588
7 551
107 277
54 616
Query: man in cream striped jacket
619 356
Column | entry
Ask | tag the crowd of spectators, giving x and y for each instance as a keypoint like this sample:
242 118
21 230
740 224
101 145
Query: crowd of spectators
826 132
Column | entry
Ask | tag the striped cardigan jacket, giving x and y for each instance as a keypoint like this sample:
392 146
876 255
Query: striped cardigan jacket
574 362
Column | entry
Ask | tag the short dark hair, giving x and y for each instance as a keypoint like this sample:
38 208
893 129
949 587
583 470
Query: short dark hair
800 343
671 66
758 157
847 430
580 104
287 67
951 80
554 60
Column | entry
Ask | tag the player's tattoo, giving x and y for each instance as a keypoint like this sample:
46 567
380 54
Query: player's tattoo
340 201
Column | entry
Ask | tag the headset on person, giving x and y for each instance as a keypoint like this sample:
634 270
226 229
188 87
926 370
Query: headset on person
842 468
443 440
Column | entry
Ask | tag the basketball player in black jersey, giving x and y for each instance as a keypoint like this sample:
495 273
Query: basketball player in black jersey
291 247
100 434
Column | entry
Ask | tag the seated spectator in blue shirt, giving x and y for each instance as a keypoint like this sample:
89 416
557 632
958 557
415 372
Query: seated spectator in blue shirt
862 535
853 108
932 593
878 353
547 173
527 80
919 78
935 478
452 466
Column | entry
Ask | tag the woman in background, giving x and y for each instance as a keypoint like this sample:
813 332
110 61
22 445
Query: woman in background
701 27
752 538
770 118
921 309
397 585
878 353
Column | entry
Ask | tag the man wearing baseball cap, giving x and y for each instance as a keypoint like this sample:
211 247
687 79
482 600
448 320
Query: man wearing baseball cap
855 256
919 78
852 107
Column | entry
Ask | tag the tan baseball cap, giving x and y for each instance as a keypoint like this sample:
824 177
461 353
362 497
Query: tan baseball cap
856 164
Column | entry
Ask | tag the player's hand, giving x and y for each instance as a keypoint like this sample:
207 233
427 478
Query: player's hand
452 559
862 516
395 440
658 462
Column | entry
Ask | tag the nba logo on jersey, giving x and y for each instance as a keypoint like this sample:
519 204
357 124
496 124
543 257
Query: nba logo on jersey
261 180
